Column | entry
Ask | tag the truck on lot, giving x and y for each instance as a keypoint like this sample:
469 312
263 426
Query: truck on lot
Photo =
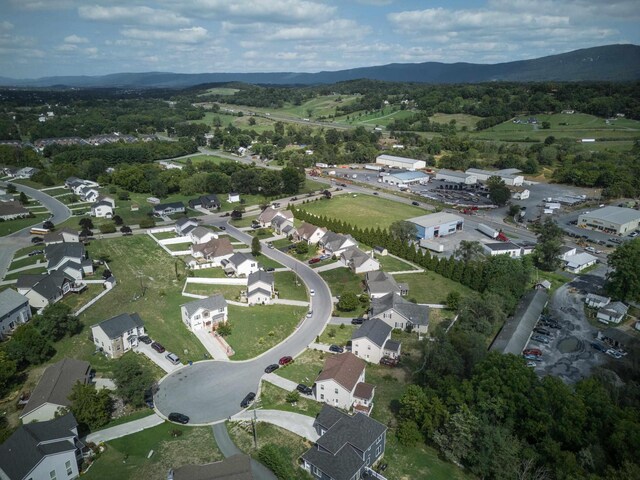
375 168
492 232
431 245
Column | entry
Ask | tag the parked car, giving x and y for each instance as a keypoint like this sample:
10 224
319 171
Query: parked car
271 368
222 227
532 351
293 199
357 321
336 349
304 389
314 260
157 347
270 245
325 256
285 361
173 358
312 292
598 346
36 240
613 353
532 364
35 252
178 418
268 269
530 356
145 339
375 193
310 314
248 399
542 331
540 339
388 361
148 398
415 203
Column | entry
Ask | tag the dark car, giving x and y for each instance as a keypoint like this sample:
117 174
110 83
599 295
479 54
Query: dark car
598 346
314 260
532 351
357 321
222 227
157 347
35 252
145 339
304 389
336 349
542 331
415 203
148 398
37 240
375 193
246 401
271 368
269 269
178 418
285 361
388 361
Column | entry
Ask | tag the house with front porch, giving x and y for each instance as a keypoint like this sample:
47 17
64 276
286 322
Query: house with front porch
164 209
397 312
309 233
117 335
205 314
240 265
372 341
358 261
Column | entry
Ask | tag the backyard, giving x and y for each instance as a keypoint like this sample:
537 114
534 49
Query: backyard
430 287
343 280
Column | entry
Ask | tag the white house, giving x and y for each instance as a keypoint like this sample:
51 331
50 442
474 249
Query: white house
102 209
577 263
184 225
309 233
338 381
234 197
380 283
566 252
358 261
260 288
61 236
372 341
240 264
503 248
519 193
267 216
205 314
614 312
596 301
336 243
202 235
215 251
397 312
89 194
282 224
117 335
14 311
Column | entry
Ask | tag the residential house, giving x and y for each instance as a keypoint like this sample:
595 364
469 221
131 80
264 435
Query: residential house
117 335
577 263
48 450
88 194
234 197
209 202
110 200
50 396
566 252
102 209
267 216
336 243
26 172
205 313
619 339
68 256
47 289
184 225
202 235
282 225
380 284
380 251
12 210
235 467
614 312
397 312
14 311
596 301
62 235
260 288
214 251
358 261
348 447
240 264
519 193
164 209
309 233
338 381
372 341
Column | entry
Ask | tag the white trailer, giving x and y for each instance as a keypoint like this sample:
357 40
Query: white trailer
552 206
375 168
431 245
488 231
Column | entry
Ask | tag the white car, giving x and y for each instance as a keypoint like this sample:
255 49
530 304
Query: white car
312 292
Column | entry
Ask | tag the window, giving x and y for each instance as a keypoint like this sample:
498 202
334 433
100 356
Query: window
368 347
322 396
378 450
196 317
316 471
68 467
52 475
205 314
336 391
322 387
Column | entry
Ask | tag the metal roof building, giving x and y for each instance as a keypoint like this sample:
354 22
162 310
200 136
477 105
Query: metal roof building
437 224
401 162
618 220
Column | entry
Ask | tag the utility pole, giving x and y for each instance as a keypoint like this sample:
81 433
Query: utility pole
254 422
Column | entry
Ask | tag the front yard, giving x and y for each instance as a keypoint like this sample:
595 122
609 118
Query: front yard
392 264
11 226
275 398
287 288
343 280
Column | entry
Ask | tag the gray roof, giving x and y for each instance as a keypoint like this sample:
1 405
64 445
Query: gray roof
355 255
30 443
184 220
580 259
414 313
236 467
163 206
392 345
114 327
394 158
101 203
328 416
48 286
200 232
239 258
435 219
260 276
334 241
214 302
279 220
57 251
502 246
515 333
56 383
375 330
381 282
11 300
618 215
615 309
255 291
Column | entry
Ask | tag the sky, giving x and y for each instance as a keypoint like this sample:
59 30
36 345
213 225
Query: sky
41 38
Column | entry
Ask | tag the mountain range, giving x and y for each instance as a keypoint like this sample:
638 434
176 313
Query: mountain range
619 63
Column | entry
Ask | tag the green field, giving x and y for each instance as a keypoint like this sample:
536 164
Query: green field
430 287
255 330
392 264
31 271
286 285
343 280
12 226
27 261
219 91
337 334
462 119
200 159
363 210
275 398
229 292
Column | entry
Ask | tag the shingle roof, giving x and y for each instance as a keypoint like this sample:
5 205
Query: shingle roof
114 327
12 208
502 246
414 313
364 390
162 206
392 346
50 285
11 300
184 220
200 232
334 241
381 282
375 330
344 368
57 251
216 247
214 302
615 309
355 255
56 383
307 229
236 467
260 276
239 258
58 236
328 416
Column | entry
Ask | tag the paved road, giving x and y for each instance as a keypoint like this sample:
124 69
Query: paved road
211 391
228 449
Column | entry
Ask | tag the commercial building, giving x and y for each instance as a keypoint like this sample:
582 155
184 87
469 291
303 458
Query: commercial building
401 162
402 179
437 224
617 220
456 177
509 178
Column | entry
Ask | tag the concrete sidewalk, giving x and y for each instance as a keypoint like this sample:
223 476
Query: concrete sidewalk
27 267
301 425
279 381
330 266
297 303
340 321
125 429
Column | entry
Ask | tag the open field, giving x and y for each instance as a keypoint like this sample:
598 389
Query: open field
256 329
287 288
430 287
357 210
393 264
343 280
127 457
229 292
462 119
200 159
219 91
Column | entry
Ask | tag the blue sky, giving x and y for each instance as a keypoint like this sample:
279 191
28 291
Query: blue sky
94 37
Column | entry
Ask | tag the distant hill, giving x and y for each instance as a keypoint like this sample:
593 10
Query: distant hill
618 63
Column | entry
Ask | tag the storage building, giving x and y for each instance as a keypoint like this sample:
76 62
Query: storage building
437 224
617 220
456 177
401 162
405 178
484 175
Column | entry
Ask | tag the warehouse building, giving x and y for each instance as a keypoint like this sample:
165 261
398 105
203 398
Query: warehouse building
401 162
456 177
616 220
437 225
402 179
509 178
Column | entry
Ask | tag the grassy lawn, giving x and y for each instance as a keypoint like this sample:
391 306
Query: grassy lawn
25 250
164 235
230 292
462 119
291 445
392 264
76 300
27 261
12 226
306 367
127 457
265 261
557 278
357 210
137 415
177 247
31 271
342 280
430 287
287 288
274 398
57 191
200 159
243 222
215 272
337 334
256 329
283 242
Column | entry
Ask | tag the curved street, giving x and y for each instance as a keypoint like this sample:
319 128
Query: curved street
211 391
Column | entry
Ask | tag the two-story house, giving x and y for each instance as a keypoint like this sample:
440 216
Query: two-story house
205 314
102 209
210 202
184 225
380 284
214 251
372 341
117 335
397 312
341 383
62 235
260 288
358 261
614 312
336 243
47 289
282 225
269 214
202 235
240 264
60 254
348 447
309 233
14 311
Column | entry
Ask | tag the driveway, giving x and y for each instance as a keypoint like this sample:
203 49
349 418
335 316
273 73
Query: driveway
211 391
157 358
124 429
297 423
214 347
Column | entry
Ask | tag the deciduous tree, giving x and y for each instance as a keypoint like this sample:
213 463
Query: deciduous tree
623 279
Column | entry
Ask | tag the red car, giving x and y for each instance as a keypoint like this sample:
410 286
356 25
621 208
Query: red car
285 361
532 351
314 260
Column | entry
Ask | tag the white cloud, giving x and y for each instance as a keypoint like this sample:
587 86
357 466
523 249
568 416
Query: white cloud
6 26
75 39
43 4
332 29
66 47
134 15
184 35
